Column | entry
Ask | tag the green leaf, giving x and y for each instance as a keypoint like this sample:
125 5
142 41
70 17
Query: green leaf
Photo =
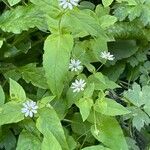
101 82
7 140
22 18
137 95
28 141
10 113
2 96
33 74
1 43
48 122
106 3
85 23
139 118
132 143
50 142
107 21
120 51
17 93
110 133
110 107
97 147
81 128
85 105
56 59
13 2
114 72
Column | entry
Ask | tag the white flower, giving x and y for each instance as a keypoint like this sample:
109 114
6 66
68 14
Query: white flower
78 85
29 109
75 65
107 55
68 3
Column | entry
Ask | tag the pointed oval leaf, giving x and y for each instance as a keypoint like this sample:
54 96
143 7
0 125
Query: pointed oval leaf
56 59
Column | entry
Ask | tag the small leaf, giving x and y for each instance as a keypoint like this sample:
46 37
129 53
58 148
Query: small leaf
85 105
106 3
17 93
10 113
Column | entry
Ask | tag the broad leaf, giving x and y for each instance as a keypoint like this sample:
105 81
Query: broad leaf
48 122
28 141
50 142
17 93
110 133
22 18
110 107
10 113
101 82
56 59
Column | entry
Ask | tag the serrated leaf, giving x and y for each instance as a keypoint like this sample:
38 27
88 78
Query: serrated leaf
56 59
85 105
137 95
140 118
10 113
28 141
2 96
110 107
13 2
48 122
109 128
21 18
17 93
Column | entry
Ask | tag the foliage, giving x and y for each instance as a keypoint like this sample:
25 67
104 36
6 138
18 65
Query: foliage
98 101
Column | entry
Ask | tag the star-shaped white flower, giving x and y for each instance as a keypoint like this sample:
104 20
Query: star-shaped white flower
107 55
29 108
68 3
75 65
78 85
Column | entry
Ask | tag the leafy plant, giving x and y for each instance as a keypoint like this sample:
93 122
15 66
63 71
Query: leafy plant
74 75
